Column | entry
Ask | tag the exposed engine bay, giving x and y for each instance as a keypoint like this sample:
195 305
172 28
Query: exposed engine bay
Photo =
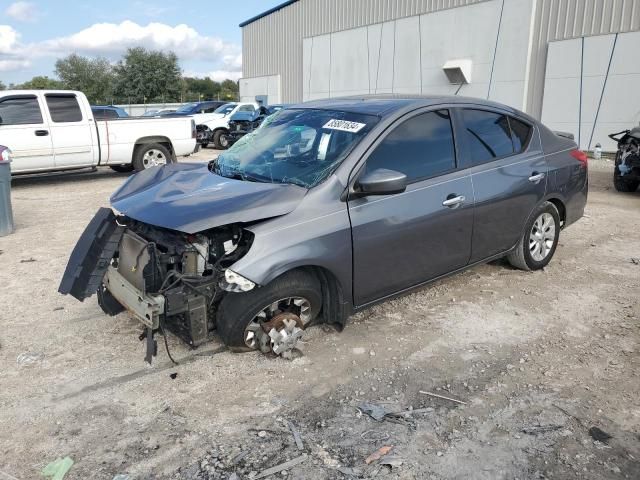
627 163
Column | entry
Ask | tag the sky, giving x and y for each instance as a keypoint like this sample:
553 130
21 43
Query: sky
204 35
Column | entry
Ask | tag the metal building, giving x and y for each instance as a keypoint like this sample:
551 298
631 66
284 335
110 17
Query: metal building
572 63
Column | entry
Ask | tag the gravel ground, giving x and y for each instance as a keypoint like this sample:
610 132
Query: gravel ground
538 358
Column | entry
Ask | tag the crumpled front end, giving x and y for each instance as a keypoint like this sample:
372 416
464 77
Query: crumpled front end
167 279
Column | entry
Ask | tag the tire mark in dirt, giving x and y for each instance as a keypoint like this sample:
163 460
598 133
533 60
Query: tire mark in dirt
112 382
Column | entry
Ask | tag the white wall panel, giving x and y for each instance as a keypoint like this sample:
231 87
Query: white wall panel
265 85
561 107
407 55
320 67
597 51
349 66
406 68
510 68
620 108
609 99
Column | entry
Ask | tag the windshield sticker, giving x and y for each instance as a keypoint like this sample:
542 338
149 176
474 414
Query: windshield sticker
344 125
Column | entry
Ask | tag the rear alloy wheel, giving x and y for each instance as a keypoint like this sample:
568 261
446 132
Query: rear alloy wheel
272 318
622 184
221 139
539 241
150 155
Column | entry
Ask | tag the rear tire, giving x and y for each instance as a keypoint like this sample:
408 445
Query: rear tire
122 168
150 155
221 139
237 310
621 184
535 250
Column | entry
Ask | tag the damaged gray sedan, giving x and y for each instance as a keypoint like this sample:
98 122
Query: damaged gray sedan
329 207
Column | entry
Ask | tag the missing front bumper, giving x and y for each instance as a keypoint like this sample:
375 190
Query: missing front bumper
146 308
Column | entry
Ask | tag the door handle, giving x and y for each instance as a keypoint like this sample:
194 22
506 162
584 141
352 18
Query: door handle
536 177
41 133
453 202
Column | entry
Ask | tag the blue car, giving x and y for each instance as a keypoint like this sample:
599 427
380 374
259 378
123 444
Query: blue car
198 107
107 112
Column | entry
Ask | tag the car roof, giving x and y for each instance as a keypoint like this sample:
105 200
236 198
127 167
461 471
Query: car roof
384 105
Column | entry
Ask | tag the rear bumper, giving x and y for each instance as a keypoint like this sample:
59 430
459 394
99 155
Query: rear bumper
146 308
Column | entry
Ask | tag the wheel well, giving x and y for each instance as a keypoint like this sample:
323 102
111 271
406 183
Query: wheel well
162 140
562 211
333 311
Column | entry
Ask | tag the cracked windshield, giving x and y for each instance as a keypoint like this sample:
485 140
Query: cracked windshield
298 146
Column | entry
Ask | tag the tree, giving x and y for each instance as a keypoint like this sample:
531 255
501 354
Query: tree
92 76
146 76
40 83
2 87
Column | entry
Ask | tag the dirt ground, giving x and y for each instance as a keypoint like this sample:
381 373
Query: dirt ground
538 358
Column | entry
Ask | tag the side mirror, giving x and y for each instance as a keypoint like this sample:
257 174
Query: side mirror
381 182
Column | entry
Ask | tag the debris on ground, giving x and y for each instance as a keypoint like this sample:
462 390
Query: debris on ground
599 435
375 411
392 461
28 260
378 454
379 414
431 394
282 466
296 435
635 261
29 358
57 309
58 468
173 375
374 436
540 429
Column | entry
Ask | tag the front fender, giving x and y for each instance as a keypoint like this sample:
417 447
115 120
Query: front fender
320 242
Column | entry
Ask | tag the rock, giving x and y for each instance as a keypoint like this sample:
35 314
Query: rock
262 434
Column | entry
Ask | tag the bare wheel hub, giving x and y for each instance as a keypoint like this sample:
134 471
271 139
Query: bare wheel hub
278 327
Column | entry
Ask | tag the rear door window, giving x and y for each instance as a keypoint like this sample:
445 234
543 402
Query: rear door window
64 108
520 134
487 135
23 110
420 147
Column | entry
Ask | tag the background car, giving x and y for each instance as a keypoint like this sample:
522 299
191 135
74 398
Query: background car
107 112
198 107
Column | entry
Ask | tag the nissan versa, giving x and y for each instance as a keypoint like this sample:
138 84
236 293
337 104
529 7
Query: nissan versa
329 207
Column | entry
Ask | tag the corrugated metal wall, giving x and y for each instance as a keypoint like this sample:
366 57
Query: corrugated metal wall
273 44
564 19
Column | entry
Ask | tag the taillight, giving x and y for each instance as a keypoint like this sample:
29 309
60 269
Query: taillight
193 129
580 156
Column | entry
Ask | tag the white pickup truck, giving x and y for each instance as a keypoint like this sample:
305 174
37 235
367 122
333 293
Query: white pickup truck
55 130
214 127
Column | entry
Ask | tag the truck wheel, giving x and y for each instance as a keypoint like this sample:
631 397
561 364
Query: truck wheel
622 184
150 155
121 168
245 321
539 241
221 139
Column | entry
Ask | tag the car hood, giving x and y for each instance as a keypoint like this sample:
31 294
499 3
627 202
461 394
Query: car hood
244 116
189 198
